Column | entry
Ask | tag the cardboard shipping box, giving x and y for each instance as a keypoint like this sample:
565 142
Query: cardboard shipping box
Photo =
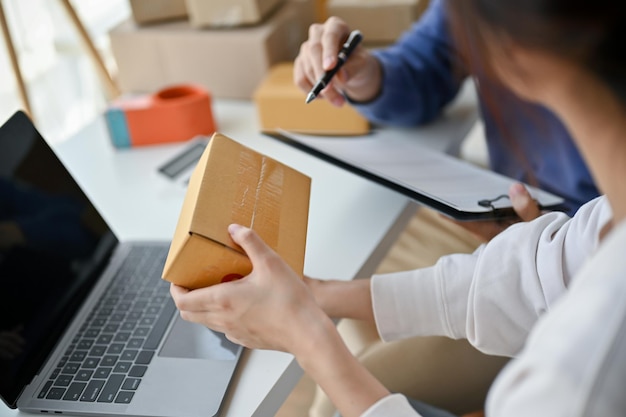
281 105
321 13
235 184
380 21
203 13
229 63
150 11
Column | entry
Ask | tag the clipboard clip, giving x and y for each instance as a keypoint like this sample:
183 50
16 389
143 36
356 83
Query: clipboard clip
488 203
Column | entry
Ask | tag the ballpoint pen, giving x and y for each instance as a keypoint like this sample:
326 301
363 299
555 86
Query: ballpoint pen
347 48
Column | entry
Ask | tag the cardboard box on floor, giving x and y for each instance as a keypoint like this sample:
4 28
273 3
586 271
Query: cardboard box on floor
229 63
280 105
380 21
203 13
235 184
150 11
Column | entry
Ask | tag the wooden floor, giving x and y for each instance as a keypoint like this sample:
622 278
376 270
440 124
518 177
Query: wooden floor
300 399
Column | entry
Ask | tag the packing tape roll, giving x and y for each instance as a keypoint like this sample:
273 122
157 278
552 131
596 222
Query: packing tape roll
174 114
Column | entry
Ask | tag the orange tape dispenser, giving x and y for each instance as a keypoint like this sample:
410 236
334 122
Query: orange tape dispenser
174 114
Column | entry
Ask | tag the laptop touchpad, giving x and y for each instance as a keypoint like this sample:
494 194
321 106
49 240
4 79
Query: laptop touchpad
191 340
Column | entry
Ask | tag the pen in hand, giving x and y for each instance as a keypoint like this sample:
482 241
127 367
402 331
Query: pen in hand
347 48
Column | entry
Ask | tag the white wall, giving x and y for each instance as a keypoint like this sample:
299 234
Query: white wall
63 86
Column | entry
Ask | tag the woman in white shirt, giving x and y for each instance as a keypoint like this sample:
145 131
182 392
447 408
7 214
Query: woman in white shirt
551 293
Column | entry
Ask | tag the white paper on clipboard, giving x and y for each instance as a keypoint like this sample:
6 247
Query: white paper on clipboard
448 184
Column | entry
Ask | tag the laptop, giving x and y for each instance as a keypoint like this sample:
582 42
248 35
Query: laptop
87 325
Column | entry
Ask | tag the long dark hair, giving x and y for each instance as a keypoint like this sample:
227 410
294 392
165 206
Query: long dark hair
591 33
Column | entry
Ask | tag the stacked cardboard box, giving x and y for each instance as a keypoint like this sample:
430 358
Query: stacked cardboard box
202 13
217 13
151 11
228 62
380 21
320 10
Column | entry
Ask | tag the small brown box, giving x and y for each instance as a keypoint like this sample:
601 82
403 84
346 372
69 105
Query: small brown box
321 13
151 11
229 63
380 21
229 13
281 105
235 184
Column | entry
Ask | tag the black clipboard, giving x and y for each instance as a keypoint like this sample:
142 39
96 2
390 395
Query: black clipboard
372 157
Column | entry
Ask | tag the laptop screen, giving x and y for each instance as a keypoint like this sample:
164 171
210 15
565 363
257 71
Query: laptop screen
53 243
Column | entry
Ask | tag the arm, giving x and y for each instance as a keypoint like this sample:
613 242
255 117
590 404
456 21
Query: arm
494 296
343 299
573 361
395 300
272 309
408 83
421 73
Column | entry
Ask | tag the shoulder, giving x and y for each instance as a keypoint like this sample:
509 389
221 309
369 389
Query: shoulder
576 351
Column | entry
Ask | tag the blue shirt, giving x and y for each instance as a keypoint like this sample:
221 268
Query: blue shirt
422 74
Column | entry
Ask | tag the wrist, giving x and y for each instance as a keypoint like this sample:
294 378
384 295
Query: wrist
366 86
344 299
320 338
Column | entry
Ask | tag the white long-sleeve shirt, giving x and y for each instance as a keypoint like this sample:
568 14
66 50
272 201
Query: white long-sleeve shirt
497 295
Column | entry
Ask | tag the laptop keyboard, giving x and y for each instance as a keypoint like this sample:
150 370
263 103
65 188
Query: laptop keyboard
111 353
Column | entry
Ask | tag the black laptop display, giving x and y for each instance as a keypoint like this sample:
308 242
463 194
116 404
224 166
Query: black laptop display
53 244
87 326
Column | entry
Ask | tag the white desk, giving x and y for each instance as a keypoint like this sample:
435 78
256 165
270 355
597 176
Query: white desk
352 223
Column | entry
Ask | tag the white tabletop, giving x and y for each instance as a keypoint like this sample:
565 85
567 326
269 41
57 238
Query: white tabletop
352 223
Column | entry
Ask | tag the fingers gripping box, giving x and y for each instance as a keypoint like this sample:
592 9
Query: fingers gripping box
235 184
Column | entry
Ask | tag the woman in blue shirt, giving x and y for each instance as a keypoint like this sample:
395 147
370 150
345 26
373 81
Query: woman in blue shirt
411 81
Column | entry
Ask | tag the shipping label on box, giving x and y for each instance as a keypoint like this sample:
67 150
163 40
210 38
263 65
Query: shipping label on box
235 184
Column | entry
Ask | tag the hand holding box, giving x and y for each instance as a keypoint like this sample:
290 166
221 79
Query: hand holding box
235 184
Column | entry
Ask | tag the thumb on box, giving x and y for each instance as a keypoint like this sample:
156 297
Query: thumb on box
249 241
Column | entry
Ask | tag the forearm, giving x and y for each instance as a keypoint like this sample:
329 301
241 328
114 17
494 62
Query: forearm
344 299
325 358
494 296
421 73
367 85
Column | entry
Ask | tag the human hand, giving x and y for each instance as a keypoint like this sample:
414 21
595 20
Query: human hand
315 286
522 202
359 78
271 308
11 343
